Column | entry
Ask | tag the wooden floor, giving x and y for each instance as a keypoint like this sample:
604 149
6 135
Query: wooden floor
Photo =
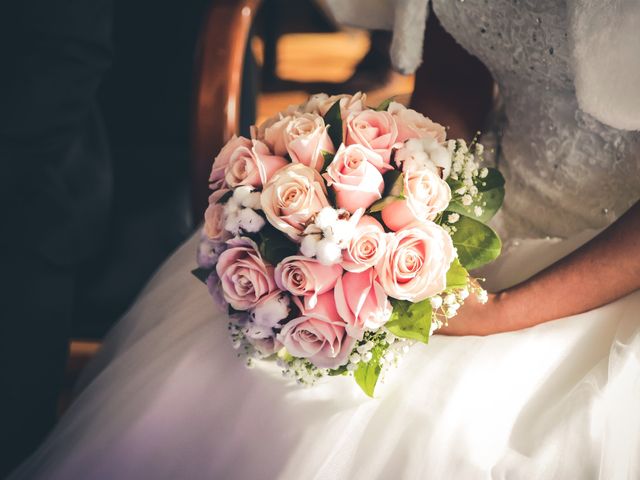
329 57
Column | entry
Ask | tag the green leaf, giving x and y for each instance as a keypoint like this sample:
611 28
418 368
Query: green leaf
366 375
201 274
333 119
493 180
457 275
410 320
275 245
477 244
328 158
393 190
385 104
490 202
338 371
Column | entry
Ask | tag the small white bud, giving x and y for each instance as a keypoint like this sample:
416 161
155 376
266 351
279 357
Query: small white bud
366 357
436 302
450 299
453 218
484 172
478 211
463 294
352 367
467 200
354 357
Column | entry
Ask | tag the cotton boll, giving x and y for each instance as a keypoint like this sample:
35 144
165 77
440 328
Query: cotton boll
309 245
326 218
242 193
328 252
252 201
257 331
232 224
250 221
341 231
269 312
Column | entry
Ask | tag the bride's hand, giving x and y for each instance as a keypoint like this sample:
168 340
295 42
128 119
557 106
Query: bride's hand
475 318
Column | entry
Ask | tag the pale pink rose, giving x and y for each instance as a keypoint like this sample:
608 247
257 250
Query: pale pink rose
216 178
252 165
362 302
426 195
258 132
355 180
416 262
244 276
318 334
214 217
375 130
292 197
412 124
306 277
366 247
320 103
304 136
424 153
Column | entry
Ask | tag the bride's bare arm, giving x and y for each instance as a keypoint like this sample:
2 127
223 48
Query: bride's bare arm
602 270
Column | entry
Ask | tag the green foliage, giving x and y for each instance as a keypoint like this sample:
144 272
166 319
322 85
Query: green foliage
275 245
366 375
385 104
492 188
477 244
333 118
410 320
328 158
393 190
201 274
457 275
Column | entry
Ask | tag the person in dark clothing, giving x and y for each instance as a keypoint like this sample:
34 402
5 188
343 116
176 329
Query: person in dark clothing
55 185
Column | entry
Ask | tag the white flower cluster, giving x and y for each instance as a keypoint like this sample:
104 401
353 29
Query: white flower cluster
446 306
241 211
329 233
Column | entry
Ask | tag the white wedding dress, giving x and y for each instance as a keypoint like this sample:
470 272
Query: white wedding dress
167 398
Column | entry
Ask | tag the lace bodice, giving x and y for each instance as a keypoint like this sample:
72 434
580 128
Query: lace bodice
565 171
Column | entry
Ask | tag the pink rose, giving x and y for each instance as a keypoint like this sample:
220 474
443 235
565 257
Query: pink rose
321 103
416 262
304 136
412 124
292 197
318 334
216 178
375 130
214 217
355 180
252 165
244 276
362 302
306 277
426 195
366 247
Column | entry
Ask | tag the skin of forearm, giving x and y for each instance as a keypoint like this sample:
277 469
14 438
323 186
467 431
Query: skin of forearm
601 271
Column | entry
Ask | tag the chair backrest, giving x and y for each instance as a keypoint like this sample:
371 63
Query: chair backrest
219 59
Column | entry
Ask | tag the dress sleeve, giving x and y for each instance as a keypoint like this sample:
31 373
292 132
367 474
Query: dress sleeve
407 19
605 36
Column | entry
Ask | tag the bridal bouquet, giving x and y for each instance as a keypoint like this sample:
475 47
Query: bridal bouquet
338 235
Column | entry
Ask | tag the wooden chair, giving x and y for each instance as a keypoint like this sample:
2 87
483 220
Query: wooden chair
219 61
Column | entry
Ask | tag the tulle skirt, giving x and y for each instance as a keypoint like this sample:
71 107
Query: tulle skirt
167 398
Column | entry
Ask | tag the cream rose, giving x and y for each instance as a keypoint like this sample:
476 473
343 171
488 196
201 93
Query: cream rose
245 278
318 334
374 130
426 195
366 247
220 163
412 124
252 165
292 197
321 103
416 261
304 136
354 178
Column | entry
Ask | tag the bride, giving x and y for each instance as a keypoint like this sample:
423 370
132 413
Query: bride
555 394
